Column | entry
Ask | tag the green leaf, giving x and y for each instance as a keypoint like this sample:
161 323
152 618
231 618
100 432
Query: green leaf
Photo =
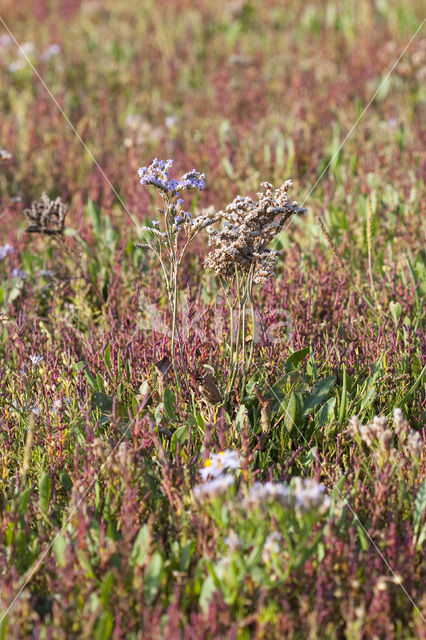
207 592
396 311
44 491
3 628
326 413
85 563
104 626
319 393
293 412
153 577
107 359
102 402
106 586
169 404
364 542
368 400
186 555
95 217
23 501
91 379
181 436
141 547
296 358
59 546
419 508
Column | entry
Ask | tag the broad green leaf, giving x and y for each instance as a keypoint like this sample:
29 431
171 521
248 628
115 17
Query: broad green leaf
180 435
208 590
104 626
395 310
23 501
296 358
169 404
95 217
3 628
44 491
102 402
59 546
141 547
419 508
186 555
319 393
153 577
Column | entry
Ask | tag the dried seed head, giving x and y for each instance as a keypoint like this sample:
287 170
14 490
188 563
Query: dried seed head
46 216
248 227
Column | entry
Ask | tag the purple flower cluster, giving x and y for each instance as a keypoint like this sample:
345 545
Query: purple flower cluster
157 175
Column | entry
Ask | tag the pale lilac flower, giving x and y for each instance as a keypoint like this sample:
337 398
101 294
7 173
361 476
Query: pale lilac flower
35 359
214 487
26 49
51 51
309 495
157 175
18 273
268 492
5 40
5 250
233 541
218 463
171 121
271 546
17 65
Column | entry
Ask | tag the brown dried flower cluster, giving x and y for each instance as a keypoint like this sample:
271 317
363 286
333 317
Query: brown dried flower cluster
46 216
378 437
248 227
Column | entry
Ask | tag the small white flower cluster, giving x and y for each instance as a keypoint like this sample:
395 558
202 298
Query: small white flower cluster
268 492
5 156
218 463
27 51
304 494
216 480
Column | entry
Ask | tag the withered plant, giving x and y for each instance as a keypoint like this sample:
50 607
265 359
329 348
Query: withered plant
242 259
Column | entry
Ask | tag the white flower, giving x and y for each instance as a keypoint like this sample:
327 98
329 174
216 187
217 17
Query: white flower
5 250
233 541
171 121
35 359
218 463
5 40
26 49
214 487
16 66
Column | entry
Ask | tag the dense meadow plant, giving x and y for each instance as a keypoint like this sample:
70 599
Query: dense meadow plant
242 258
284 495
164 234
